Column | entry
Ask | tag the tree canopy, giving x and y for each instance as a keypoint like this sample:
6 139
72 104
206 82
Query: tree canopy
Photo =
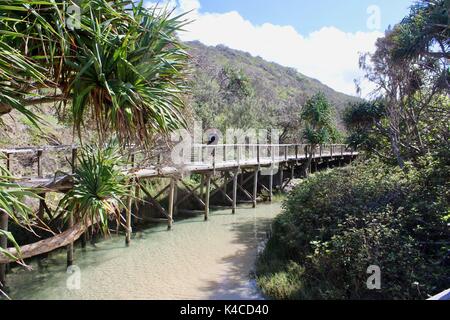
411 74
120 64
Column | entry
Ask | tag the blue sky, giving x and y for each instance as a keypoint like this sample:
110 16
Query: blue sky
310 15
322 39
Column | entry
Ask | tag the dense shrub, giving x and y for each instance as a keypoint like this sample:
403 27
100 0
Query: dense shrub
339 222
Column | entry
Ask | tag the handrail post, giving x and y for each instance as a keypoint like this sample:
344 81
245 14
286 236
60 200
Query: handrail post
39 163
214 158
8 161
224 153
239 154
285 152
4 245
272 153
132 160
258 154
296 152
74 159
331 148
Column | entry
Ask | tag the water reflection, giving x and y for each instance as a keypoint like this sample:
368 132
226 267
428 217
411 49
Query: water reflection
197 260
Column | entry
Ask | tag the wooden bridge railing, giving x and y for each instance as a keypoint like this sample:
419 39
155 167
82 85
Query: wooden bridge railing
260 153
31 162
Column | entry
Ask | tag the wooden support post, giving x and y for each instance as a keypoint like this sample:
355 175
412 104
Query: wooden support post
73 164
235 183
128 216
84 240
258 154
171 203
137 191
271 184
8 162
4 245
292 172
70 246
281 177
41 210
255 186
39 163
74 159
202 186
208 191
175 198
133 160
214 152
225 183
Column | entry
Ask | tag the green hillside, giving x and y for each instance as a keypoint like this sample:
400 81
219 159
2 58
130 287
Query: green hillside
230 86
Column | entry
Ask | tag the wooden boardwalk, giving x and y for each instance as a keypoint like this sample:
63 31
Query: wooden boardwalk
231 173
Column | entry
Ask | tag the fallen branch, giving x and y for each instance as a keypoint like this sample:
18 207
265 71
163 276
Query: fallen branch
61 240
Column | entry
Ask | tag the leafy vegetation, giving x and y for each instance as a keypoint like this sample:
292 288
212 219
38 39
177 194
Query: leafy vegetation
391 209
411 75
338 223
100 187
123 63
317 118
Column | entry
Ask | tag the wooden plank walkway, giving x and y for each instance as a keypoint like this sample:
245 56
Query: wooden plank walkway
239 165
279 155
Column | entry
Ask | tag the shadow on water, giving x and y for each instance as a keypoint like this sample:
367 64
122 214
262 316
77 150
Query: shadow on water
197 260
239 283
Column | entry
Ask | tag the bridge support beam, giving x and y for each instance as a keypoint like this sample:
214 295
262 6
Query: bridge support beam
235 184
281 177
175 199
4 245
255 186
207 195
70 246
271 184
173 184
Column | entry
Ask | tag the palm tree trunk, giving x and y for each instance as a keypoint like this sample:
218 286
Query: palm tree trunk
307 164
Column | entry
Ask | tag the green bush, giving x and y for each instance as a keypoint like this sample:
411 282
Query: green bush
339 222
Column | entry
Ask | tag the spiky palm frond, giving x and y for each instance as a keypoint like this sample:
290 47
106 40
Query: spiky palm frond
12 204
133 78
125 63
100 187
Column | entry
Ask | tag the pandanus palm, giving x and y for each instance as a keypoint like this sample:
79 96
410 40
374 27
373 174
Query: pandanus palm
11 205
124 63
100 187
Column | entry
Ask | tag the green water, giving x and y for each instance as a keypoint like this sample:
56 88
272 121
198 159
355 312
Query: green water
197 260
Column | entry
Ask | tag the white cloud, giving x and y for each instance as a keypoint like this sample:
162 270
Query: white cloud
329 54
